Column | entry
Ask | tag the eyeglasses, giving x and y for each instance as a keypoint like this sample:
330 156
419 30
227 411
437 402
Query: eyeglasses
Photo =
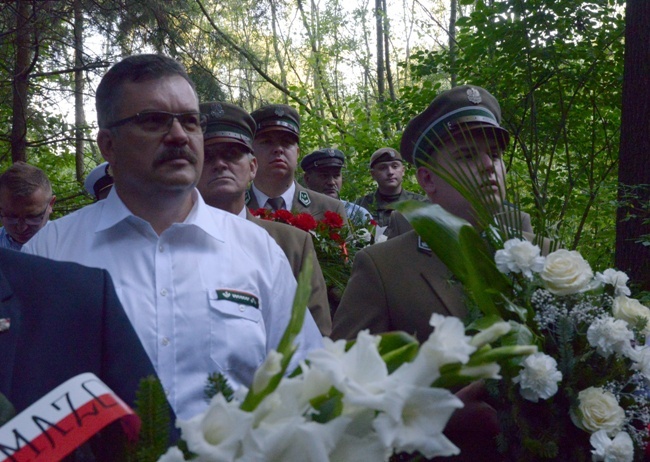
161 121
34 220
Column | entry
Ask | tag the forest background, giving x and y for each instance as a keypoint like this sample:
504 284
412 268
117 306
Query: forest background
358 70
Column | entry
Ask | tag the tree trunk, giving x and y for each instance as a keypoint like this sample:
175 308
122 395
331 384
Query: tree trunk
634 161
379 15
452 41
79 114
389 75
20 83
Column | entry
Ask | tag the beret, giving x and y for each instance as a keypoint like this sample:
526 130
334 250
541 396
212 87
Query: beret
453 113
277 117
384 155
325 157
227 123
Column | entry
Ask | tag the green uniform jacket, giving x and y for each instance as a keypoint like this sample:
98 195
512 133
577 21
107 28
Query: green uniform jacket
305 200
379 208
296 245
396 285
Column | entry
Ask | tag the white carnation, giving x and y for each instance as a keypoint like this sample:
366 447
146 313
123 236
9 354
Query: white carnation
539 377
619 449
566 272
519 256
641 358
609 335
618 279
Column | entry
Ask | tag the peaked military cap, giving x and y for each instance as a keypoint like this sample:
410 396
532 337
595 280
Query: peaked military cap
99 179
461 111
325 157
277 117
227 123
384 155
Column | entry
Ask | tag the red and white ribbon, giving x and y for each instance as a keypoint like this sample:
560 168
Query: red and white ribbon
63 420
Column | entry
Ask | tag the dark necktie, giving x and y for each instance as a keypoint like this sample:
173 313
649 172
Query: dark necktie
276 203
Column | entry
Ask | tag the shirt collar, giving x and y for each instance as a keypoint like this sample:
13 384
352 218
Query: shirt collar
201 215
287 195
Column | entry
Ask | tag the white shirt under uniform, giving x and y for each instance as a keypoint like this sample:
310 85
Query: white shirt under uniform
211 294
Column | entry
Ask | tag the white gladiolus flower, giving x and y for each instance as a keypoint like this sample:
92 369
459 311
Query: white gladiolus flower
269 369
599 410
173 454
618 279
519 256
217 434
489 335
539 377
609 335
566 272
619 449
629 310
420 424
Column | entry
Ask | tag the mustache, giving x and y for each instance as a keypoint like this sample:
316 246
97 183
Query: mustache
173 153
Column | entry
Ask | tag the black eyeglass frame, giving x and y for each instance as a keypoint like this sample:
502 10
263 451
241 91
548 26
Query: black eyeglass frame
203 120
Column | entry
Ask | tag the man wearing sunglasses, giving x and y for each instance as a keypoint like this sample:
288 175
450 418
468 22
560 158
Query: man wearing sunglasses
206 291
26 202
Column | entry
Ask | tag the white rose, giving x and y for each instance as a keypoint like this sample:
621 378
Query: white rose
641 358
519 256
629 310
599 410
566 272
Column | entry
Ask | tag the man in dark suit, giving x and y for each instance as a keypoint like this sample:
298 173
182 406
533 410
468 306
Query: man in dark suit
276 149
58 320
228 170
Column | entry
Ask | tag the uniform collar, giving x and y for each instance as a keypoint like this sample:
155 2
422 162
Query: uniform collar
287 195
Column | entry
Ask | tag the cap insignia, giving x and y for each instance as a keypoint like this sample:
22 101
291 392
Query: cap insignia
330 152
5 323
304 199
473 95
216 111
279 111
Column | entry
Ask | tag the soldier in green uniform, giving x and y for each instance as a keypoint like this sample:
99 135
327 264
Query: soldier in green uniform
276 149
387 169
228 169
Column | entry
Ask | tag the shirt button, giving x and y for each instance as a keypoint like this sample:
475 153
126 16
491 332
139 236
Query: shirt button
166 392
242 308
163 292
161 248
165 341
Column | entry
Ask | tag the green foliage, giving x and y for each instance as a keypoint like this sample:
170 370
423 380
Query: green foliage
153 410
7 411
218 384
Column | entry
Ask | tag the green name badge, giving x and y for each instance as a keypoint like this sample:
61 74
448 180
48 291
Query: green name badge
235 296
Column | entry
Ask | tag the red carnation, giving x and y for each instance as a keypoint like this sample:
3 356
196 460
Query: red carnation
333 219
283 215
304 221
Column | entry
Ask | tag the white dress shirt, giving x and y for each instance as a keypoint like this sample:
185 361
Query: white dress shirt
190 292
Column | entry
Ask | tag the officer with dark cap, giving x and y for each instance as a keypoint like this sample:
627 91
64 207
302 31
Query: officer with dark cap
228 169
399 284
323 174
387 169
276 149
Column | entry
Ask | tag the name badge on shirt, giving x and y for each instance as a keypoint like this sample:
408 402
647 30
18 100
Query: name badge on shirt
423 246
235 296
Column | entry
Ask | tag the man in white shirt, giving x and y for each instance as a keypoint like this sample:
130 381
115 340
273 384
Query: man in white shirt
206 291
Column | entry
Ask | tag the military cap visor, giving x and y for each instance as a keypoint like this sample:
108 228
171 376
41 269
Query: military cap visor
277 117
98 179
461 113
328 157
227 123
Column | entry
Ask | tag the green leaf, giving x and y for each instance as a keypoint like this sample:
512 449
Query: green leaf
152 408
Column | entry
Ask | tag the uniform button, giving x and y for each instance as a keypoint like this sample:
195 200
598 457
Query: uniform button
165 341
163 292
166 392
161 248
242 308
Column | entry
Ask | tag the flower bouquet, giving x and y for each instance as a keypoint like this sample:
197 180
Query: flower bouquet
361 400
584 395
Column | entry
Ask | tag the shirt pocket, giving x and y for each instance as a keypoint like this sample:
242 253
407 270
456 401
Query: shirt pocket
237 334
